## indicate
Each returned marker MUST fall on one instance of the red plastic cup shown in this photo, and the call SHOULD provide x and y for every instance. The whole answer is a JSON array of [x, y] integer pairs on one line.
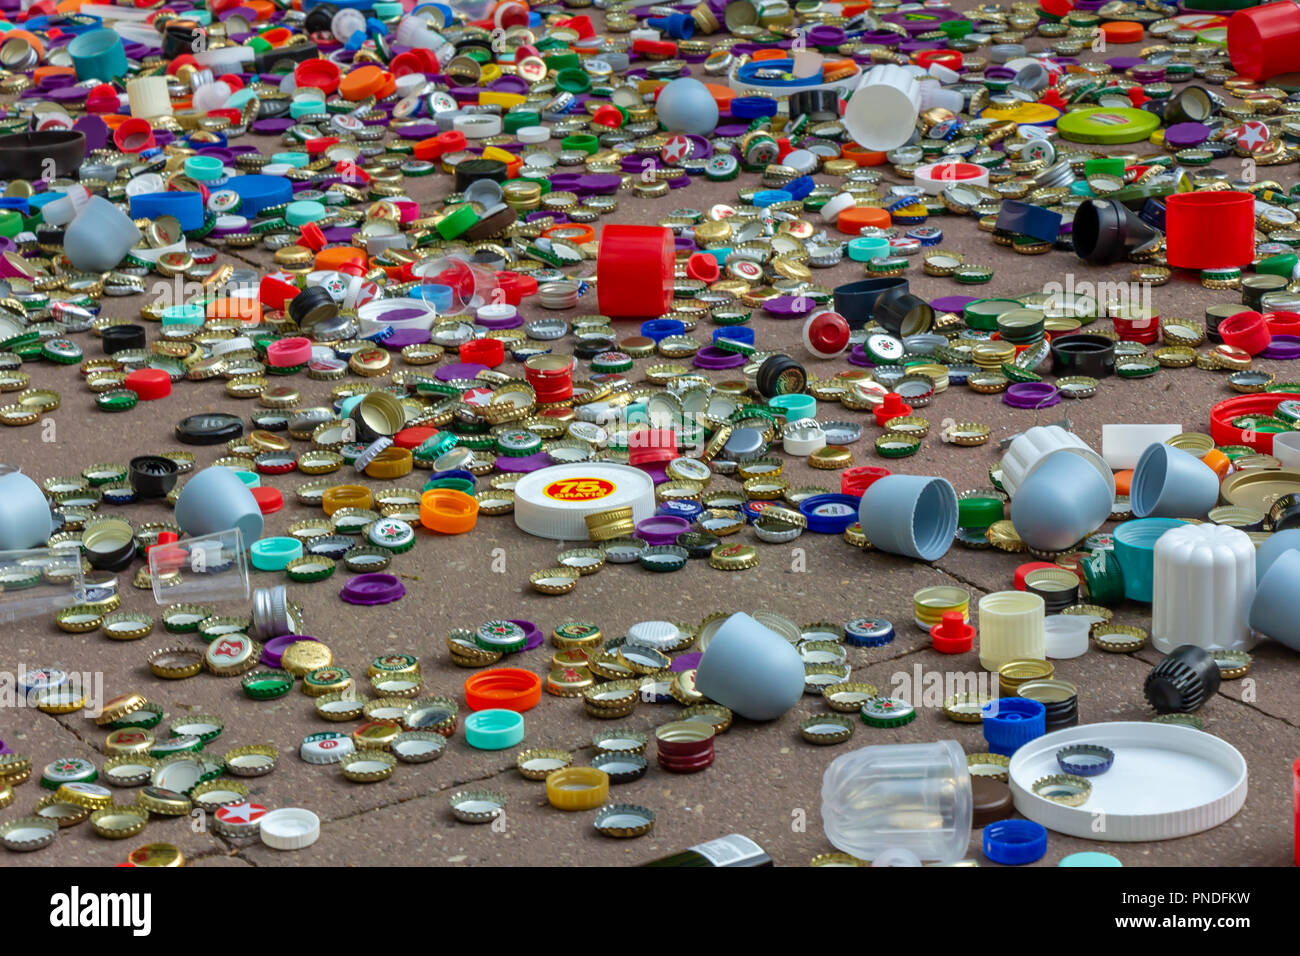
[[635, 271], [1210, 230], [703, 267], [1265, 41]]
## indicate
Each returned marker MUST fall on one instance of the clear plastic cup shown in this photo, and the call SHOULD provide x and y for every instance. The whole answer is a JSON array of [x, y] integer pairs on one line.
[[39, 581], [891, 797], [213, 567], [471, 284]]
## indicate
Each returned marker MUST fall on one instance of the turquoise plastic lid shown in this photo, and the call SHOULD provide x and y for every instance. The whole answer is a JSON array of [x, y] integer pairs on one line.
[[251, 479], [274, 554], [295, 159], [303, 211], [1089, 859], [494, 729]]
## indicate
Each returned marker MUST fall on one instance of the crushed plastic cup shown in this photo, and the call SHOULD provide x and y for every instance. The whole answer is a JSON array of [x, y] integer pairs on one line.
[[200, 570]]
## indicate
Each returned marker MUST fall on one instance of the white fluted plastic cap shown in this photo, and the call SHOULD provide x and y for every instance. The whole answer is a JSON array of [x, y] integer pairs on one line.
[[290, 828], [1031, 448]]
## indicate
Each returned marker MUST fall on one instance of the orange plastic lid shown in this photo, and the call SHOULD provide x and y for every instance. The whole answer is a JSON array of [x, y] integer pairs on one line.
[[277, 36], [364, 81], [335, 258], [1123, 31], [448, 511], [769, 54], [36, 42], [722, 95], [264, 9], [243, 308], [1219, 462], [1122, 481], [863, 157], [853, 220]]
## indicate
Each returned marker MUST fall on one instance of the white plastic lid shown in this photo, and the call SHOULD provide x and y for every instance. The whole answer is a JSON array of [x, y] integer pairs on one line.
[[836, 205], [1066, 635], [553, 502], [290, 828], [532, 134]]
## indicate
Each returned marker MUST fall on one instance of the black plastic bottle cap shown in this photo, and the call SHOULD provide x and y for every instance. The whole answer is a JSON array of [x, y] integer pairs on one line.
[[472, 170], [320, 17], [152, 476], [209, 428], [856, 301], [1183, 681], [311, 305], [115, 338], [902, 313], [1083, 354], [780, 375]]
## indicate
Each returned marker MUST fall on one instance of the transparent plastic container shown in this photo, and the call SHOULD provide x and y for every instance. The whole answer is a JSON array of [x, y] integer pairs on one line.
[[471, 284], [213, 567], [39, 581], [1011, 628], [893, 797]]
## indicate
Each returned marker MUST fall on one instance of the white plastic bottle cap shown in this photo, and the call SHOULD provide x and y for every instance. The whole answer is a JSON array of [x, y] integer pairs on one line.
[[532, 134], [236, 344], [139, 186], [290, 828], [497, 312], [410, 83], [801, 160], [803, 437], [211, 96], [148, 97], [836, 205], [477, 125]]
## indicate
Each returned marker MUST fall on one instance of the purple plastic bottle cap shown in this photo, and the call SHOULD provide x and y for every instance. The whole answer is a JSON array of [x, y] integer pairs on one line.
[[661, 529], [507, 322], [658, 474], [1184, 135], [952, 303], [685, 662], [1031, 395], [1122, 63], [858, 356], [459, 370], [370, 589], [535, 636], [95, 131], [1283, 347], [601, 184], [273, 650], [735, 129], [275, 124], [524, 465], [701, 148], [790, 306], [711, 357], [401, 338]]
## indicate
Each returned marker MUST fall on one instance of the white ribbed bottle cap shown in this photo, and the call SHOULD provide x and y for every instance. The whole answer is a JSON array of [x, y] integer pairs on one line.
[[532, 134], [290, 828], [148, 97], [836, 205]]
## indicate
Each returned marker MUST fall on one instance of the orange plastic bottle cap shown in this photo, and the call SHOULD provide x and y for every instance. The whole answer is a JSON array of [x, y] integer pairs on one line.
[[1122, 481], [362, 82], [1123, 31], [856, 218], [448, 511]]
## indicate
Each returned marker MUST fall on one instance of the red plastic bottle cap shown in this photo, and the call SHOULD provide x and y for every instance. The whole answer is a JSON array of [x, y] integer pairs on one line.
[[149, 383], [268, 499], [414, 437], [286, 353], [489, 352], [319, 144], [274, 292], [319, 73], [232, 80], [952, 59], [134, 135], [1210, 230], [634, 267], [952, 635], [516, 287], [856, 480], [1247, 331], [892, 406], [1057, 8], [655, 48], [1283, 323], [1029, 568], [704, 267], [582, 24], [651, 445], [102, 99], [311, 236], [826, 334], [608, 115]]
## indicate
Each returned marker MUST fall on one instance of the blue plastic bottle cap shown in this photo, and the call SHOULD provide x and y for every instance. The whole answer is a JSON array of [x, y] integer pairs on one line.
[[1015, 842], [1089, 859]]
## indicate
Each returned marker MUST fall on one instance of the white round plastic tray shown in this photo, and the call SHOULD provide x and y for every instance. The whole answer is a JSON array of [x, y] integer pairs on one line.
[[552, 502], [1167, 781]]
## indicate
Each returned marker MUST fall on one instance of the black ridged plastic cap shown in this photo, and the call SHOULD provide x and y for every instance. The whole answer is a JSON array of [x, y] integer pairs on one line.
[[115, 338], [152, 476], [320, 17], [780, 375], [1183, 681], [209, 428]]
